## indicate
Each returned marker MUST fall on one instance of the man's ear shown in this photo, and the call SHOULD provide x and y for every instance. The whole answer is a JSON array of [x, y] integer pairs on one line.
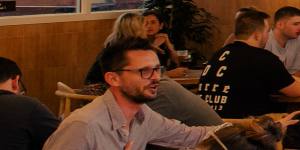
[[15, 84], [257, 35], [112, 78], [280, 24]]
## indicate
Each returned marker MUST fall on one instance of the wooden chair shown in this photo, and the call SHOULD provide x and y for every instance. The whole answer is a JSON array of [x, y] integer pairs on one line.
[[67, 94]]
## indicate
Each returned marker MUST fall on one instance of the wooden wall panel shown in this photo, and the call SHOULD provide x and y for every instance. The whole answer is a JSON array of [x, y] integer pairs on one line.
[[48, 53]]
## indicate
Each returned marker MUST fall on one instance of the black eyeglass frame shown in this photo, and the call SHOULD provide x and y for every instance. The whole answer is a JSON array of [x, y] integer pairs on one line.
[[143, 71]]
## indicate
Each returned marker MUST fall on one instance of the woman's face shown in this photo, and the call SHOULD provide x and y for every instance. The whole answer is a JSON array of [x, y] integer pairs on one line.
[[152, 24]]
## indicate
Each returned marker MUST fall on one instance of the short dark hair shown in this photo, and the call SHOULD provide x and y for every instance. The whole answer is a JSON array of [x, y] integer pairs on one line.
[[113, 57], [246, 9], [8, 69], [287, 11], [154, 13], [249, 22]]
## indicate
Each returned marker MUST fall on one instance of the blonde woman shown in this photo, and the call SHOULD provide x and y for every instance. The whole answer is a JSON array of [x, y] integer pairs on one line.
[[262, 133], [127, 25]]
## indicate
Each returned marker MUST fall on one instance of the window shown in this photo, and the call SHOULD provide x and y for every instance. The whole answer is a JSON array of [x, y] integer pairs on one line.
[[106, 5], [31, 7]]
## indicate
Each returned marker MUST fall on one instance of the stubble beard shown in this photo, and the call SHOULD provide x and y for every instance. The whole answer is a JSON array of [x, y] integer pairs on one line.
[[137, 98]]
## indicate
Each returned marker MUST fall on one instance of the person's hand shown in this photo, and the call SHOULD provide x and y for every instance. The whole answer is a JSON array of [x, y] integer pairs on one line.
[[288, 120], [128, 146], [178, 72], [160, 39], [157, 49]]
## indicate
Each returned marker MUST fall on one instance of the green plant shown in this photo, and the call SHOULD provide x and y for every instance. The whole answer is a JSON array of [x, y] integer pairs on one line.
[[185, 22]]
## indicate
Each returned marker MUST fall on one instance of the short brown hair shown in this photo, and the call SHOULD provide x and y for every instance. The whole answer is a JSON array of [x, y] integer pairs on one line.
[[249, 22], [246, 9], [113, 57], [286, 11]]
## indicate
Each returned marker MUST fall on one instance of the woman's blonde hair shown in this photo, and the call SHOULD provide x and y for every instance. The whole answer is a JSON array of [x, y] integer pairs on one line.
[[127, 25], [262, 134]]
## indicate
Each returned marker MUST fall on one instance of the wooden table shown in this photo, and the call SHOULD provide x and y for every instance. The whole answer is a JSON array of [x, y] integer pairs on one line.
[[191, 78], [292, 103], [286, 99]]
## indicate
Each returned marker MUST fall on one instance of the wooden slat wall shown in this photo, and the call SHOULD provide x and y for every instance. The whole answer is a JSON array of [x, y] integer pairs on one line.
[[53, 52], [48, 53]]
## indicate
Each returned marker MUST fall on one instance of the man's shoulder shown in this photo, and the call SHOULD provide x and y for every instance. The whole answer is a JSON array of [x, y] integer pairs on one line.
[[242, 48], [19, 99], [92, 113]]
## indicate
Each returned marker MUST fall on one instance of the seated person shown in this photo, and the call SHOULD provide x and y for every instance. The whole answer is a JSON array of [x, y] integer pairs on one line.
[[284, 40], [25, 122], [112, 121], [240, 78], [173, 100], [262, 133], [165, 49]]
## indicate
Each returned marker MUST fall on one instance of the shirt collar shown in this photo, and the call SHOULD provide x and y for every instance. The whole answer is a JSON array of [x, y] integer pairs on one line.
[[116, 115]]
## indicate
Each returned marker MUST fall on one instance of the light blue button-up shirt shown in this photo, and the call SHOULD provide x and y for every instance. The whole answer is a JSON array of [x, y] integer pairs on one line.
[[101, 125]]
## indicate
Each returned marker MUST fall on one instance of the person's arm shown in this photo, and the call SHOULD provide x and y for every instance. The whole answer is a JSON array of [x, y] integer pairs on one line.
[[173, 54], [177, 72], [162, 38], [171, 133], [43, 123], [276, 77], [175, 102], [292, 90]]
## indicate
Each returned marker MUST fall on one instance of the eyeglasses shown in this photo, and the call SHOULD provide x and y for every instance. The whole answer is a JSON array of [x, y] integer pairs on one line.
[[146, 73], [23, 89]]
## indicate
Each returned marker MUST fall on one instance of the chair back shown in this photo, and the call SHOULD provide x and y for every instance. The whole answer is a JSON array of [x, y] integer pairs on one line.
[[67, 95]]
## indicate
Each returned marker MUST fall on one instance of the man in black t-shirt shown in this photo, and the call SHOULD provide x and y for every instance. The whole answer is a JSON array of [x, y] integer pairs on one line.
[[240, 78], [25, 123]]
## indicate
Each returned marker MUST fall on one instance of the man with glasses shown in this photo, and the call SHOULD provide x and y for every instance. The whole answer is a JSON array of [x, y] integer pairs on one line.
[[25, 123], [120, 117]]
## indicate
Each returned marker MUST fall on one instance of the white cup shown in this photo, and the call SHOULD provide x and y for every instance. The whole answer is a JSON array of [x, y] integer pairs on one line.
[[182, 53]]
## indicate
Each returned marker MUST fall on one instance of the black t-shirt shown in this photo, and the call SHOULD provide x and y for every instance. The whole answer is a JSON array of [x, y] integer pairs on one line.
[[239, 80], [25, 123]]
